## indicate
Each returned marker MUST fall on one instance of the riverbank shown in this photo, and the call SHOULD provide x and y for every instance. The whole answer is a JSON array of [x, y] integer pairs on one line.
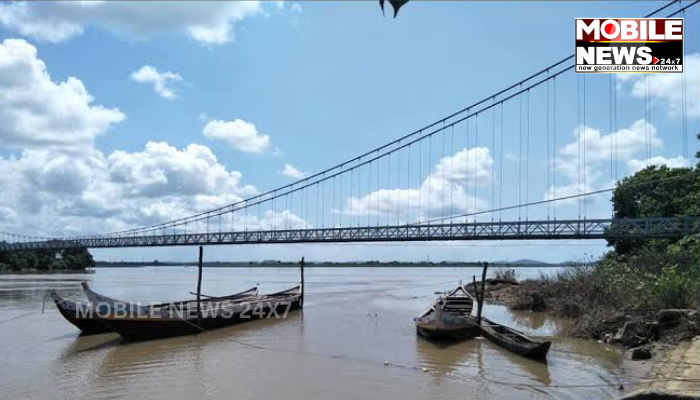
[[662, 346], [32, 261], [591, 319]]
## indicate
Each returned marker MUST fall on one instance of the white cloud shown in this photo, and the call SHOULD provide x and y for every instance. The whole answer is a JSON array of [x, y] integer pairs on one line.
[[673, 162], [569, 189], [239, 134], [162, 169], [159, 80], [667, 89], [291, 172], [61, 193], [270, 220], [627, 141], [211, 22], [442, 192], [628, 144], [37, 112], [61, 185], [473, 165], [28, 20]]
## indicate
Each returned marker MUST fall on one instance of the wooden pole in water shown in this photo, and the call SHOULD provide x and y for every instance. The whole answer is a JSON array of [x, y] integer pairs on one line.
[[476, 294], [199, 286], [301, 299], [481, 298]]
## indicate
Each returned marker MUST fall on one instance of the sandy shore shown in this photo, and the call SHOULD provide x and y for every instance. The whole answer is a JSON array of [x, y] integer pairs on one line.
[[674, 368]]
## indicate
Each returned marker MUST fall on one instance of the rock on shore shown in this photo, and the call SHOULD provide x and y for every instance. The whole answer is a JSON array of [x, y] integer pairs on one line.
[[672, 372]]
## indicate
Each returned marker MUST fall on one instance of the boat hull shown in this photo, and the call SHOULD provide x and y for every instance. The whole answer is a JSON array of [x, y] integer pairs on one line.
[[447, 334], [449, 318], [532, 349], [86, 321], [83, 315], [147, 328]]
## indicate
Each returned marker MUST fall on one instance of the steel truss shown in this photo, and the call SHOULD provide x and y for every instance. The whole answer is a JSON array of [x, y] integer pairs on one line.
[[628, 228]]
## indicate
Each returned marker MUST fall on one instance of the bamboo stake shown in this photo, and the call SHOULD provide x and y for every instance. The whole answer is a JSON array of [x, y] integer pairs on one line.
[[476, 292], [301, 299], [481, 298], [199, 287]]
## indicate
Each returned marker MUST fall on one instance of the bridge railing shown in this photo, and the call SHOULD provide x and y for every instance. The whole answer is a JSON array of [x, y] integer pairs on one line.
[[628, 228]]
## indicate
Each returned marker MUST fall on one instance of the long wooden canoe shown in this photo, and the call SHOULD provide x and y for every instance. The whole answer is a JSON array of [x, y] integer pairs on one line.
[[82, 314], [449, 318], [145, 324], [514, 340]]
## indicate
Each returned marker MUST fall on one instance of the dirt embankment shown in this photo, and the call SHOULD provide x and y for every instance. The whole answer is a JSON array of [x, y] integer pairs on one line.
[[631, 328], [663, 346]]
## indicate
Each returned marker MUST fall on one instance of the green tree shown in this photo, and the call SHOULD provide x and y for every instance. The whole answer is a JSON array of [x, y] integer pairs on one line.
[[45, 260], [656, 192]]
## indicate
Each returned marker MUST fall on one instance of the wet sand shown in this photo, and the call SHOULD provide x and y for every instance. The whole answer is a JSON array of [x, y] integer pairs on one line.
[[354, 339], [672, 369]]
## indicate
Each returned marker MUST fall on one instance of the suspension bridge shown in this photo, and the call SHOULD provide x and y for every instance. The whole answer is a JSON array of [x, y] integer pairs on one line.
[[472, 175]]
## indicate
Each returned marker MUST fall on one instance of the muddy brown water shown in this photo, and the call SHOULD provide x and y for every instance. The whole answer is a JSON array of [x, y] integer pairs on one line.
[[355, 339]]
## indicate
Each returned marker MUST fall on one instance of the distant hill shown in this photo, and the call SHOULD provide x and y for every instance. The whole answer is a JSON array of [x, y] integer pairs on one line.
[[524, 261]]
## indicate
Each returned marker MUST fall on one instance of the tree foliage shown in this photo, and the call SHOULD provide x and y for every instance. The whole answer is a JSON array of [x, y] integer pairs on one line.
[[46, 260], [655, 274], [656, 192]]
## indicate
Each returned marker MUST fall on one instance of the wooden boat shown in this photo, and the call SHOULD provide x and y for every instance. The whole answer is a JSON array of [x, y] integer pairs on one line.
[[99, 299], [449, 318], [513, 340], [189, 319], [79, 314], [82, 314]]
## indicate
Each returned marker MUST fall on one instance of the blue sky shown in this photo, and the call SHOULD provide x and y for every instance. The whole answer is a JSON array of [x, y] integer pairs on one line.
[[320, 81]]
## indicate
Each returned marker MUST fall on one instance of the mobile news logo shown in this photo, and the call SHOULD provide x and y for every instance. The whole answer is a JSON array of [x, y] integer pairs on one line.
[[629, 45]]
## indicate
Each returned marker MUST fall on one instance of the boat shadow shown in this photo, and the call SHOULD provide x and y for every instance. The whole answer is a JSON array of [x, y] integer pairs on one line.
[[454, 357], [169, 354], [86, 343], [116, 345], [442, 343], [226, 332], [445, 358], [536, 369]]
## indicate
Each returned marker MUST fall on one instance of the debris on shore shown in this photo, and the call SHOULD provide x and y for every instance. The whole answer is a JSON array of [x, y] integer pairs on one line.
[[630, 328], [662, 346]]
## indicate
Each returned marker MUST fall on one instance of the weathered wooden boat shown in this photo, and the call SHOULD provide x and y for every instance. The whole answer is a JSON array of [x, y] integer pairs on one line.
[[79, 314], [449, 318], [192, 318], [82, 314], [513, 340], [99, 299]]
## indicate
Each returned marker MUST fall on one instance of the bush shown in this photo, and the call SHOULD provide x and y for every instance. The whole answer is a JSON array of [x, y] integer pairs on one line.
[[640, 276], [505, 274]]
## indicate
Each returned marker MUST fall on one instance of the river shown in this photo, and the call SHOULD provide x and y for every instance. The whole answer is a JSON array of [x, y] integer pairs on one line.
[[355, 339]]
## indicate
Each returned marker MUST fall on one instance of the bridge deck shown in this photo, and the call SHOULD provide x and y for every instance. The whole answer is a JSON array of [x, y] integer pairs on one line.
[[633, 228]]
